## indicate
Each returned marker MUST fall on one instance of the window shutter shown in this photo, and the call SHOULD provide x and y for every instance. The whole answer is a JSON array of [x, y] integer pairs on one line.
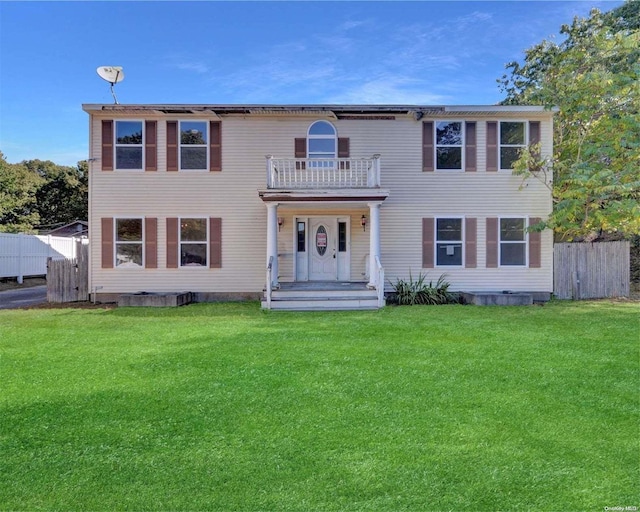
[[215, 242], [172, 145], [150, 242], [343, 152], [343, 147], [492, 242], [300, 151], [470, 242], [427, 146], [534, 134], [150, 146], [107, 145], [172, 242], [427, 242], [215, 157], [492, 146], [470, 147], [107, 242], [535, 245]]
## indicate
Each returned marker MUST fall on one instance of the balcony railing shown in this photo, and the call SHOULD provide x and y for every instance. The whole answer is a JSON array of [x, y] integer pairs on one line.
[[319, 173]]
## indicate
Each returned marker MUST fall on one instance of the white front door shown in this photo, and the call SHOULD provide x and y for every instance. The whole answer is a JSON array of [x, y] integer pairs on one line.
[[322, 249]]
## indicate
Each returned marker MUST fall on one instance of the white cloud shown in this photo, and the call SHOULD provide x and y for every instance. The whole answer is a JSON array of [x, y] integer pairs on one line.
[[389, 89]]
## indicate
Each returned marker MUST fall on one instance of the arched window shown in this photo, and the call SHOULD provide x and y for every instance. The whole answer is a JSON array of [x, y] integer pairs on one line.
[[322, 141]]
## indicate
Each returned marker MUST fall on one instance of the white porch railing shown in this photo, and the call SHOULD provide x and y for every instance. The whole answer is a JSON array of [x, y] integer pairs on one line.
[[380, 283], [318, 173]]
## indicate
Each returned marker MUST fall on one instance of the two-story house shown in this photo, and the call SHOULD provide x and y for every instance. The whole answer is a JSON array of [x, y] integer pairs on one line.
[[266, 201]]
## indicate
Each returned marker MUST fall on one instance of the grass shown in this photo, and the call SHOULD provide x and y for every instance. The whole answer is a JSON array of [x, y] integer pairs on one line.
[[226, 407]]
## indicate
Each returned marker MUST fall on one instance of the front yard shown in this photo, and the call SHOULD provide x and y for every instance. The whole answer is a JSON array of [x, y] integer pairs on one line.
[[227, 407]]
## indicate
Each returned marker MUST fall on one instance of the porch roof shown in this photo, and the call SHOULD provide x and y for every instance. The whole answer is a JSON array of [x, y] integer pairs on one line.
[[324, 196]]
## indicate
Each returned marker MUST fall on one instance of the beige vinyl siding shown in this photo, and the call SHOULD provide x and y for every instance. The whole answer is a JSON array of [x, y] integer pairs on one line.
[[232, 195]]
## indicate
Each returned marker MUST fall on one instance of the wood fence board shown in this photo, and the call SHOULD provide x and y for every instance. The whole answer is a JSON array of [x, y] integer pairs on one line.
[[591, 270], [68, 280]]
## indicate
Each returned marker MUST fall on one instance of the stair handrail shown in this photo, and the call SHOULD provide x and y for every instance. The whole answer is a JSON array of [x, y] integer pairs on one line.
[[269, 284], [380, 284]]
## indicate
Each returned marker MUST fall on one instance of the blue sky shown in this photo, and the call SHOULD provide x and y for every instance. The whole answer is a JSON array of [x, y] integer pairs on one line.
[[418, 52]]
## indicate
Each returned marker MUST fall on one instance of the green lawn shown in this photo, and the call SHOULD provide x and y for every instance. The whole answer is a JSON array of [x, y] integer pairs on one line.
[[227, 407]]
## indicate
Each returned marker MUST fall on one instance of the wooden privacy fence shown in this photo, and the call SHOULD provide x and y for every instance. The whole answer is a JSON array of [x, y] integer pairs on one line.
[[591, 270], [68, 280]]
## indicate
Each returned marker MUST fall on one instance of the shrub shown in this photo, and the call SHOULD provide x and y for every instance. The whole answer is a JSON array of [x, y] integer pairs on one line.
[[418, 291]]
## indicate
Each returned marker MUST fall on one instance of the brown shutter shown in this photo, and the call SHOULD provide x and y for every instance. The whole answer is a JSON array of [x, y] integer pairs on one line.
[[215, 157], [535, 245], [343, 151], [172, 242], [492, 146], [470, 242], [107, 242], [534, 134], [215, 242], [492, 242], [172, 145], [150, 146], [300, 151], [150, 242], [427, 242], [107, 145], [470, 147], [427, 146]]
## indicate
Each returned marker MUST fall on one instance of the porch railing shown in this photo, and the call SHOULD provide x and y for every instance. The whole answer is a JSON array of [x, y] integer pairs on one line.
[[313, 173]]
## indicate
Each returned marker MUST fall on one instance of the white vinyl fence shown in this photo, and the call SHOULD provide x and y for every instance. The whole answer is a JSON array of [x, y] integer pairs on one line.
[[26, 255]]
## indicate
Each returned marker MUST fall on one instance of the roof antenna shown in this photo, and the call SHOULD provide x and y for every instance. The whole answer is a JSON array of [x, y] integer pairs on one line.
[[113, 75]]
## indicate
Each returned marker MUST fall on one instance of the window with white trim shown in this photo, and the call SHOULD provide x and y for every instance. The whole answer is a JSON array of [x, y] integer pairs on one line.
[[449, 240], [194, 145], [129, 238], [322, 141], [194, 241], [513, 242], [129, 145], [513, 139], [448, 145]]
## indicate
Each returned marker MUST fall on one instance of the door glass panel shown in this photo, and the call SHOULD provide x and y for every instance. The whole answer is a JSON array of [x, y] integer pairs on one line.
[[302, 236], [342, 237], [321, 240]]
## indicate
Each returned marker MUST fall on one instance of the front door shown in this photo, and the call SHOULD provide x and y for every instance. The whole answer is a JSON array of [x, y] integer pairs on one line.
[[322, 258]]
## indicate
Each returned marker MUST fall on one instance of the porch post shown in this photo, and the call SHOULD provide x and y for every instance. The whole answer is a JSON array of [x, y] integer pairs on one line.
[[374, 243], [272, 240]]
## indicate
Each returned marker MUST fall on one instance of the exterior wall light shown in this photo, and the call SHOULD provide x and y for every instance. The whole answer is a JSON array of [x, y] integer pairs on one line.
[[280, 222], [363, 222]]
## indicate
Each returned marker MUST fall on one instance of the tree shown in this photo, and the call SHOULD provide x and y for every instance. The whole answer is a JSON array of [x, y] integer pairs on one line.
[[18, 187], [62, 196], [592, 77]]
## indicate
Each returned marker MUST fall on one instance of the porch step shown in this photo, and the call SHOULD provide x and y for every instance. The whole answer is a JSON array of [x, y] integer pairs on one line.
[[323, 300]]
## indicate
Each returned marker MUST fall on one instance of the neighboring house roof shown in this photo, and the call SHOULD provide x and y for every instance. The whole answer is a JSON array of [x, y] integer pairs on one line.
[[76, 228]]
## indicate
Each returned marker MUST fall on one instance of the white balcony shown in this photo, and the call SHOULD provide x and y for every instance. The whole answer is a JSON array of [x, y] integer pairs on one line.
[[329, 173]]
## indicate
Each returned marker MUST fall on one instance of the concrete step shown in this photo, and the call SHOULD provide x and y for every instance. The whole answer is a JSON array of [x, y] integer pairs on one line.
[[323, 304]]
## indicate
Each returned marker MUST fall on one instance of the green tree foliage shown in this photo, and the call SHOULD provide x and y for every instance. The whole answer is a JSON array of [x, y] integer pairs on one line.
[[63, 195], [18, 188], [593, 79], [36, 194]]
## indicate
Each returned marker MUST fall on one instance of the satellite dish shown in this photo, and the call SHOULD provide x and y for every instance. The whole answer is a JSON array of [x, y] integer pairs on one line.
[[113, 75]]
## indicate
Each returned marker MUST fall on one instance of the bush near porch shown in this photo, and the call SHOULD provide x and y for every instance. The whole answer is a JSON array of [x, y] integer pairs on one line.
[[226, 407]]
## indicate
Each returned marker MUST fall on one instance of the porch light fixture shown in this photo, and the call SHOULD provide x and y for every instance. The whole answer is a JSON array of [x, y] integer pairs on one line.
[[280, 222], [363, 222]]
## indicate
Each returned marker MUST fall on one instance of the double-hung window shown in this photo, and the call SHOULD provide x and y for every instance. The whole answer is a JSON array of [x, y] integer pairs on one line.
[[449, 239], [449, 144], [513, 242], [194, 137], [193, 242], [129, 243], [129, 145], [513, 139]]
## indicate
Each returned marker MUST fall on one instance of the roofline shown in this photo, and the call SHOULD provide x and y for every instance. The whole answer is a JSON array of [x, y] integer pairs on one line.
[[315, 108]]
